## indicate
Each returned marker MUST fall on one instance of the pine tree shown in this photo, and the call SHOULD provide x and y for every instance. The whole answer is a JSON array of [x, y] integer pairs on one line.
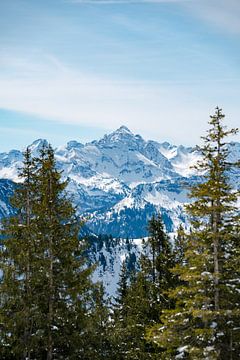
[[119, 316], [142, 296], [206, 314], [16, 263], [179, 245], [161, 260], [99, 328], [45, 287]]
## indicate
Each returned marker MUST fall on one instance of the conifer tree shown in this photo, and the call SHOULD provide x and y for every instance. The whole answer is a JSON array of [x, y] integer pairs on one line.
[[179, 245], [161, 260], [119, 321], [45, 287], [16, 264], [99, 327], [203, 324], [131, 322], [142, 296]]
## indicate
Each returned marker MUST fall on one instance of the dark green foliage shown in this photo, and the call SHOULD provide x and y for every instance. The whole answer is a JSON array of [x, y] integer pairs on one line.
[[203, 324], [142, 296], [17, 266], [182, 303], [160, 256], [99, 344], [46, 291], [180, 243]]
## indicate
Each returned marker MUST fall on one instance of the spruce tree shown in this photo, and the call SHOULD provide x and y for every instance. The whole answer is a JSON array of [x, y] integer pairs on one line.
[[142, 296], [45, 288], [161, 260], [16, 264], [119, 316], [99, 327], [179, 245], [203, 324]]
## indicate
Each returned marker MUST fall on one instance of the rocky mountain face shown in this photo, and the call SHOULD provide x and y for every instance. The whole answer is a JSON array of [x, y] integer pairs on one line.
[[119, 181]]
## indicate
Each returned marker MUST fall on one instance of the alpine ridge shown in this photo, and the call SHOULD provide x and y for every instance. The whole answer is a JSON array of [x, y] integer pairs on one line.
[[119, 181]]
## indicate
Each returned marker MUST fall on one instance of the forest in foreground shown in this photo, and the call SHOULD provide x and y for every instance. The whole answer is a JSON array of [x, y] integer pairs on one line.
[[181, 303]]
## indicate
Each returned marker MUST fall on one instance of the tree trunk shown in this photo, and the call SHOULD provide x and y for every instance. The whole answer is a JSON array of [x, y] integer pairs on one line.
[[50, 298], [216, 264], [153, 264], [27, 350], [216, 223], [50, 306]]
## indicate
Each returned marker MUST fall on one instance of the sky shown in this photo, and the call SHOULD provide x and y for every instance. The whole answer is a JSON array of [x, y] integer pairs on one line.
[[77, 69]]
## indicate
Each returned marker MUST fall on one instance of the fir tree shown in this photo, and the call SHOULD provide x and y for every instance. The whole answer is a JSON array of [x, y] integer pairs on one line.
[[142, 296], [45, 287], [119, 321], [17, 263], [203, 324], [179, 245], [131, 321], [99, 327], [161, 260]]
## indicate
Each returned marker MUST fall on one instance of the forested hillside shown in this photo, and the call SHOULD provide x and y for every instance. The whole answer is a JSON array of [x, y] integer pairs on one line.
[[177, 297]]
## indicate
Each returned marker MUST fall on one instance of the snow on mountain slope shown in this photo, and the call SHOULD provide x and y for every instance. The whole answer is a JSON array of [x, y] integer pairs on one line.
[[129, 217], [127, 157], [6, 191], [167, 150], [9, 165], [182, 158], [117, 183], [110, 253], [234, 158], [121, 180]]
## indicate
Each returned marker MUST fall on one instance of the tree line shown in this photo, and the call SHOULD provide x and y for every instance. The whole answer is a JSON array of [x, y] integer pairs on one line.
[[181, 303]]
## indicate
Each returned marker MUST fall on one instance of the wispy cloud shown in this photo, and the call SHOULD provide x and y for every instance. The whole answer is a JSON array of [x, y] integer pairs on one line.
[[223, 14], [69, 96]]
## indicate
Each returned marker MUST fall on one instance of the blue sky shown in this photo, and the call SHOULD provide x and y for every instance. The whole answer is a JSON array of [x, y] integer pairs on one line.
[[75, 69]]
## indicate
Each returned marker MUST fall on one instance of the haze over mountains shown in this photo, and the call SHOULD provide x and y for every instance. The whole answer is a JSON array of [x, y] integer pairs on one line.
[[119, 181]]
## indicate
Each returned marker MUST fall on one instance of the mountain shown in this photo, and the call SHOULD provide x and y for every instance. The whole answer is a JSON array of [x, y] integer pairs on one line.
[[119, 181]]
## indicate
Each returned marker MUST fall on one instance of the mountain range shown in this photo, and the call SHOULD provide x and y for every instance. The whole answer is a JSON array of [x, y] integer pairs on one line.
[[118, 182]]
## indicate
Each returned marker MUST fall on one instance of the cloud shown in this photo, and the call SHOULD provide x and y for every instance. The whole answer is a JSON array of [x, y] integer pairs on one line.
[[52, 91], [223, 14]]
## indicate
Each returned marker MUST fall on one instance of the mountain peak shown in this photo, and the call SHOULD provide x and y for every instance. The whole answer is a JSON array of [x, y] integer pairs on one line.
[[37, 145], [39, 142], [74, 144], [121, 136], [123, 128]]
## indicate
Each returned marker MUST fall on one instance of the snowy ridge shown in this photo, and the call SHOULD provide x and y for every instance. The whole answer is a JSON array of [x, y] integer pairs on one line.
[[118, 183], [121, 180]]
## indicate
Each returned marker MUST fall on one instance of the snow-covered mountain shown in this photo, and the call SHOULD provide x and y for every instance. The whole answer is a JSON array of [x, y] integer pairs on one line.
[[120, 181]]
